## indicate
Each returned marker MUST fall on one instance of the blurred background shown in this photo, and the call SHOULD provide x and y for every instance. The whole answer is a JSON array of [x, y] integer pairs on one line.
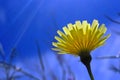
[[27, 28]]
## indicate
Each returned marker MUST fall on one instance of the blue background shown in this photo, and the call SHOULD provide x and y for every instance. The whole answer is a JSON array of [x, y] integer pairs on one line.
[[22, 22]]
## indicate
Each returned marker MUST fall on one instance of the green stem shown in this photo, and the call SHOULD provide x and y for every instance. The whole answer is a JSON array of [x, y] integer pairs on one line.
[[86, 61], [89, 71]]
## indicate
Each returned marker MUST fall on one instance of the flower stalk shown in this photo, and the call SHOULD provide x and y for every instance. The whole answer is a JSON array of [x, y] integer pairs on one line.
[[86, 61], [80, 39]]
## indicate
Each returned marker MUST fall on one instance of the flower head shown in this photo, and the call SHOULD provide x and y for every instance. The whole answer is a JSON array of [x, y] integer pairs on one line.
[[80, 38]]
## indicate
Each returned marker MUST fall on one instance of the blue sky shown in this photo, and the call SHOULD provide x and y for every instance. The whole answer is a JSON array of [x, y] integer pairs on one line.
[[22, 22]]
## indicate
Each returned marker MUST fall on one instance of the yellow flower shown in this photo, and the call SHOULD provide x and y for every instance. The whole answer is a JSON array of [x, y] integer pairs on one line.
[[80, 38]]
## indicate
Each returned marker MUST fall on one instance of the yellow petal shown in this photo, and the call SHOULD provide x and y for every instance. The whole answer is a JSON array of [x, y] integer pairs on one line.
[[94, 26], [59, 39], [62, 35], [54, 44], [84, 25], [102, 28], [78, 24]]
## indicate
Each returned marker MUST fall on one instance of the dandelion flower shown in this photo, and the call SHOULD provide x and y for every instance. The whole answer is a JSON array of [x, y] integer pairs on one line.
[[80, 39]]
